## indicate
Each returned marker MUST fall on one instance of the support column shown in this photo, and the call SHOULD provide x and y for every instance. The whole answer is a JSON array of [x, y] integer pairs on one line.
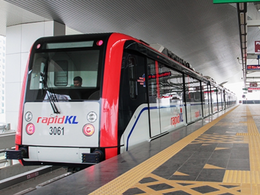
[[19, 39]]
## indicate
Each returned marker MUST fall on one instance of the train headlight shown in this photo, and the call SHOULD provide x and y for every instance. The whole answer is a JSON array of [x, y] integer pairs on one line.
[[88, 129], [30, 129], [99, 42], [28, 116], [92, 117]]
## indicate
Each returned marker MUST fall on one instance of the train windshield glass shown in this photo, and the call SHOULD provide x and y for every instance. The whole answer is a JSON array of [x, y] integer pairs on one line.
[[70, 74]]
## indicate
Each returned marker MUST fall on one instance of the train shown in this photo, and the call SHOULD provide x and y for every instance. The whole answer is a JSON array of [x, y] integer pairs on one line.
[[86, 98]]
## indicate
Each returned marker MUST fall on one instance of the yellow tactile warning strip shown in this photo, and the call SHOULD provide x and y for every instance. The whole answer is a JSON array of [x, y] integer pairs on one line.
[[252, 177], [246, 177], [254, 142], [130, 178]]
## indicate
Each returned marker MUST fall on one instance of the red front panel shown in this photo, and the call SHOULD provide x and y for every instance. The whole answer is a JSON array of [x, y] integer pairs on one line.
[[18, 137], [110, 99]]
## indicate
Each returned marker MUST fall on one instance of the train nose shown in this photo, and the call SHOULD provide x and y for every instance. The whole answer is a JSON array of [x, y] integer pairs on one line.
[[94, 157]]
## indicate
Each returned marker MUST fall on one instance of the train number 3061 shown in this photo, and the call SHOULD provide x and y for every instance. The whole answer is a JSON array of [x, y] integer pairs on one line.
[[56, 131]]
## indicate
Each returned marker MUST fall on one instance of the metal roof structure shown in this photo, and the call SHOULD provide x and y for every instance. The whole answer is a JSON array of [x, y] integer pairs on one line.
[[204, 34]]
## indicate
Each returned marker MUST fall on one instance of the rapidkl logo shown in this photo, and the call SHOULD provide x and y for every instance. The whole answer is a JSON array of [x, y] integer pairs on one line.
[[58, 120], [197, 114], [177, 119]]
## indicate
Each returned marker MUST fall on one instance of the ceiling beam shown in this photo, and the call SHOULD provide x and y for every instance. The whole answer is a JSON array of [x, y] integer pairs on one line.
[[242, 21]]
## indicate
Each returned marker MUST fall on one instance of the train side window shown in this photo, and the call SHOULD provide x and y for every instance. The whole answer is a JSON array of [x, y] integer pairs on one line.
[[152, 84], [131, 64], [193, 90], [171, 84]]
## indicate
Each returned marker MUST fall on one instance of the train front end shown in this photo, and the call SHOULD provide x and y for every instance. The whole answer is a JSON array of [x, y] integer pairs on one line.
[[60, 117]]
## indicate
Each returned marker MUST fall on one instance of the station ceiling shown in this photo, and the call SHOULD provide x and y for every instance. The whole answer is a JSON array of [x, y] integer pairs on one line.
[[204, 34]]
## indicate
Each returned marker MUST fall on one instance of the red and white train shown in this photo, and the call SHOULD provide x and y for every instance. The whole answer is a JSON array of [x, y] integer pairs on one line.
[[130, 93]]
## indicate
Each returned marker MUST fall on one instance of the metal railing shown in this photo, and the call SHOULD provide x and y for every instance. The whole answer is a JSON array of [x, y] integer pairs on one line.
[[5, 126], [3, 161], [251, 101]]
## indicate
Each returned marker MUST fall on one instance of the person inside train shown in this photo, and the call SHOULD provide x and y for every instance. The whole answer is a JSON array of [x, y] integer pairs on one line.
[[77, 81]]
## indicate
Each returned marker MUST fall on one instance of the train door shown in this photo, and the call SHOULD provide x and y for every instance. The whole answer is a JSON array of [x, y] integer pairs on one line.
[[172, 109], [193, 99], [220, 100], [206, 99], [154, 96], [214, 99], [133, 122], [224, 99], [165, 90]]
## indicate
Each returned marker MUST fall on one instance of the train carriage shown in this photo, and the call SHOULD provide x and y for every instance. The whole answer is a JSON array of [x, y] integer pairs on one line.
[[129, 92]]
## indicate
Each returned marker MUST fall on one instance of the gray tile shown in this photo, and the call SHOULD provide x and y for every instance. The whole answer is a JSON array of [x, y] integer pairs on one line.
[[147, 180], [179, 192], [159, 187], [201, 154], [238, 164], [212, 175], [220, 162], [205, 189], [165, 171], [133, 191], [239, 153]]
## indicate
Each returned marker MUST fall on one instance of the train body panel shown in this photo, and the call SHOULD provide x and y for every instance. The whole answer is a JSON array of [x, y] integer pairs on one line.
[[136, 130], [169, 119], [194, 111], [61, 155], [172, 117], [66, 129]]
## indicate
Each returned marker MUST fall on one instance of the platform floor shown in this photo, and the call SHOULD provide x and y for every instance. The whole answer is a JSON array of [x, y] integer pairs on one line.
[[218, 155]]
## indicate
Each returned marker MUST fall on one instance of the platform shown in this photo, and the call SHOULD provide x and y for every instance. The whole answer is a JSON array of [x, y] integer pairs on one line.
[[218, 155]]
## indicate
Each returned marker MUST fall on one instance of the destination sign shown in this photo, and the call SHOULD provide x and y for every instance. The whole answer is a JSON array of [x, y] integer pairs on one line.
[[253, 67]]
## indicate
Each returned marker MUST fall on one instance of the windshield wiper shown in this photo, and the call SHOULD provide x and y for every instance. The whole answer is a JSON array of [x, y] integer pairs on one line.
[[51, 96]]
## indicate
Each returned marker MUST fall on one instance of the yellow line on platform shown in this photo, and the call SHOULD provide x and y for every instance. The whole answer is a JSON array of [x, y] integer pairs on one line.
[[254, 143], [125, 181], [249, 180]]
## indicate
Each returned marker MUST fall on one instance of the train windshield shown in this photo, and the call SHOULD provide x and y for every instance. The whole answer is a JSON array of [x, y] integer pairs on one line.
[[65, 71]]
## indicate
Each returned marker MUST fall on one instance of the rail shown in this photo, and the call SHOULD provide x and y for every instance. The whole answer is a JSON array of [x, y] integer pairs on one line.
[[14, 173]]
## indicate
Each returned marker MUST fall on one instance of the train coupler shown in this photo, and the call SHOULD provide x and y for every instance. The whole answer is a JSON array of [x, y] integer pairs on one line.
[[93, 158]]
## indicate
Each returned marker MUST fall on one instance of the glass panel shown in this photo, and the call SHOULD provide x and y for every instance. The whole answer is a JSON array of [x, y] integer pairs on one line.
[[172, 110], [68, 74], [206, 99], [132, 64], [214, 99], [69, 45], [224, 96], [153, 94], [220, 100], [193, 99]]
